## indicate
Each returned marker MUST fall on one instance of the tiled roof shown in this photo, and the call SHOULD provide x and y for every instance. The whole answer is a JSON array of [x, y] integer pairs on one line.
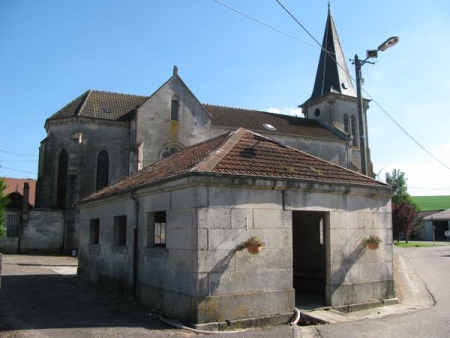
[[16, 184], [100, 105], [114, 106], [255, 120], [240, 153]]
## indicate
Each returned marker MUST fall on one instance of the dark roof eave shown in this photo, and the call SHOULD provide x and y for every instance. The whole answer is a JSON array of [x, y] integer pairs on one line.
[[378, 186]]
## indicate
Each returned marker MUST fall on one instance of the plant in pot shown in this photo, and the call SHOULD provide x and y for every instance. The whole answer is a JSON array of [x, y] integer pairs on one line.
[[372, 242], [253, 245]]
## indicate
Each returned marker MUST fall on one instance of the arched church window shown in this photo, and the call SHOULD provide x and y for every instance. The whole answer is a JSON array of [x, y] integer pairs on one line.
[[102, 170], [61, 190], [346, 123], [355, 138]]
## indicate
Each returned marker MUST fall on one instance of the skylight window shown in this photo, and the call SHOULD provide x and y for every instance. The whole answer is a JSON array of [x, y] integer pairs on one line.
[[107, 110], [268, 126]]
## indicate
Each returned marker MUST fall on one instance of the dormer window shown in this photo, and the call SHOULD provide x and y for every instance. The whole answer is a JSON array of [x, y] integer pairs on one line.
[[268, 126], [107, 110], [174, 110]]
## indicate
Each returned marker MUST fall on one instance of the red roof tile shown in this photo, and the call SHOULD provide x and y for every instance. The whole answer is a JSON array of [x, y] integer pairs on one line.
[[240, 153], [16, 184]]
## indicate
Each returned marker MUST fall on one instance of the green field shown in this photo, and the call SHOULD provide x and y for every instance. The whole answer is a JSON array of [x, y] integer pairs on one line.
[[427, 203], [414, 244]]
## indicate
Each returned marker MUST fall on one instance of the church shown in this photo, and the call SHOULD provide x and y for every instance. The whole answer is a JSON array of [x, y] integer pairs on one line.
[[157, 193], [101, 137]]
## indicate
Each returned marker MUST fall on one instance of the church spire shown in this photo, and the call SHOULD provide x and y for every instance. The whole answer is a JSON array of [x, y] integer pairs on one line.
[[332, 72]]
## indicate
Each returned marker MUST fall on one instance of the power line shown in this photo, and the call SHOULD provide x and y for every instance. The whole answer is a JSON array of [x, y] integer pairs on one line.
[[343, 68], [22, 171], [375, 101], [8, 152], [263, 24], [8, 161]]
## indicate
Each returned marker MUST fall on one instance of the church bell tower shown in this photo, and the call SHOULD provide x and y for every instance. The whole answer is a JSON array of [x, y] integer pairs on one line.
[[334, 101]]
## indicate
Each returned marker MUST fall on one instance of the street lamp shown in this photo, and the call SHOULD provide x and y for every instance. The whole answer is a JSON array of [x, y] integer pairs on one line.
[[361, 117]]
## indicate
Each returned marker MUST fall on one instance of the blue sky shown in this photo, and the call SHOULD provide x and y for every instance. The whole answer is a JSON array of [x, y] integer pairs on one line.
[[52, 51]]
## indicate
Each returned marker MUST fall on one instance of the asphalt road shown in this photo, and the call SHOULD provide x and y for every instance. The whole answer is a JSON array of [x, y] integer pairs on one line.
[[432, 265], [41, 296]]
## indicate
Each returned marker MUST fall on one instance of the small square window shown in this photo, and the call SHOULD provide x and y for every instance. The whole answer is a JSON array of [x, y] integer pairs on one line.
[[268, 126]]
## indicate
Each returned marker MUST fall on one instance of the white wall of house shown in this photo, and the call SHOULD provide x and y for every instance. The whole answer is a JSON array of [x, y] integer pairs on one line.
[[198, 277]]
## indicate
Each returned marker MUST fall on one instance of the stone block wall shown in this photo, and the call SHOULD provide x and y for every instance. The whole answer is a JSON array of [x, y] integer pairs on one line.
[[44, 234], [199, 278]]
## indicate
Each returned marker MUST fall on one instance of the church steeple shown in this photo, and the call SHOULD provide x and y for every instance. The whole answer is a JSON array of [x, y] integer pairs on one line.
[[332, 72]]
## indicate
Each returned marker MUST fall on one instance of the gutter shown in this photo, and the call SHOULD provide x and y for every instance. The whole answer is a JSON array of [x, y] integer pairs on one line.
[[135, 243]]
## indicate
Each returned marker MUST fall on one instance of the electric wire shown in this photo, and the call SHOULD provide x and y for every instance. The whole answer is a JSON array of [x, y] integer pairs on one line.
[[22, 171], [12, 153], [264, 24], [343, 68]]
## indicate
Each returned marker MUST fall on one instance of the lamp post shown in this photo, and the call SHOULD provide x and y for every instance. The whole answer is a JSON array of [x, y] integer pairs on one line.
[[361, 117]]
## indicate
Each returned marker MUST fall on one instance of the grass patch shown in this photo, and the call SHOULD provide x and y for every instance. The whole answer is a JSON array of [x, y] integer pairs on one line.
[[411, 244]]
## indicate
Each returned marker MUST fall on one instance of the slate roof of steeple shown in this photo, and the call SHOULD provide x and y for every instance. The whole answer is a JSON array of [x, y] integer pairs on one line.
[[239, 153], [332, 72]]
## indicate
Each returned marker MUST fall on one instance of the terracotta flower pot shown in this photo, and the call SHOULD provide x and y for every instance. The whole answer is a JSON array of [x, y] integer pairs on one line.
[[372, 246], [254, 249]]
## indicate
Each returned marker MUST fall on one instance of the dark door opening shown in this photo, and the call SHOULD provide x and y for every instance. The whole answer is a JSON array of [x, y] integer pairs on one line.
[[309, 259]]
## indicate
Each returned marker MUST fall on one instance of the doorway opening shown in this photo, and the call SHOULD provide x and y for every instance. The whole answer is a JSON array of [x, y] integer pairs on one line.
[[309, 238]]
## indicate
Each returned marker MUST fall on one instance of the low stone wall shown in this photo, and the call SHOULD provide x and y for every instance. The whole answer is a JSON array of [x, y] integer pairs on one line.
[[44, 234]]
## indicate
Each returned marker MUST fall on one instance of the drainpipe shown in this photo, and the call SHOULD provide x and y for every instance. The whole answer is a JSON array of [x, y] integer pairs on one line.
[[135, 242]]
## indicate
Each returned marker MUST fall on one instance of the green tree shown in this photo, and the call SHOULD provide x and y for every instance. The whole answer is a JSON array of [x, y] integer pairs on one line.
[[3, 203], [404, 211], [397, 180]]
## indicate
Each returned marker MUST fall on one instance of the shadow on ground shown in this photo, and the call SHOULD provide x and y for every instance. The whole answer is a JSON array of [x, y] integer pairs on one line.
[[58, 301]]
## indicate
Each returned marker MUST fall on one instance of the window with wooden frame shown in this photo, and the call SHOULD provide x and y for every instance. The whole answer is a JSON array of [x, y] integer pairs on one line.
[[156, 229]]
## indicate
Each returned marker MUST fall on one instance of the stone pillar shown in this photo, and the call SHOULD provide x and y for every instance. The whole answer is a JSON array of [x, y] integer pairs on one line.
[[25, 204]]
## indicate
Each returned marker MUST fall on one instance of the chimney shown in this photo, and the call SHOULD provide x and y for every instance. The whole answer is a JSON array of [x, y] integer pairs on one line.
[[175, 70], [25, 204]]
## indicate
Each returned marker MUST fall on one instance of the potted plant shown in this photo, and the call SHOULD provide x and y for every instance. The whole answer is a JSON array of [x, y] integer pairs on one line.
[[253, 245], [372, 242]]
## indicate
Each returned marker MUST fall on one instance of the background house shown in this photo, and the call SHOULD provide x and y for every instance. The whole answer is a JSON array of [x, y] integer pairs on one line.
[[27, 229], [167, 233], [432, 214]]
